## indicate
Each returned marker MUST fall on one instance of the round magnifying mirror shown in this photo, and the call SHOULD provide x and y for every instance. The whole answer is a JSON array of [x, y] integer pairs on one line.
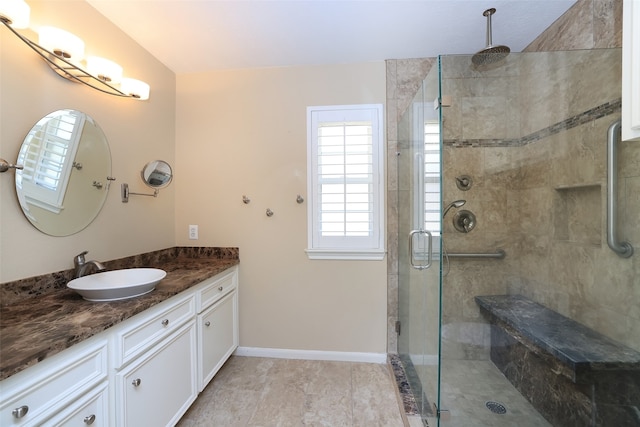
[[157, 174], [67, 163]]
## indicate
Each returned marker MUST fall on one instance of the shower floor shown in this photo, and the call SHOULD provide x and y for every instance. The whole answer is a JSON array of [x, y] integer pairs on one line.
[[467, 385]]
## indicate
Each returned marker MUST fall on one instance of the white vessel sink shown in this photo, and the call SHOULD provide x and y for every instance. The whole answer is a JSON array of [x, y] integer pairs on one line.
[[117, 284]]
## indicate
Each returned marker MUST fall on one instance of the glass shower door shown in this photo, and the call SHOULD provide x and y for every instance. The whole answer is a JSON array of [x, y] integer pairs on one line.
[[419, 206]]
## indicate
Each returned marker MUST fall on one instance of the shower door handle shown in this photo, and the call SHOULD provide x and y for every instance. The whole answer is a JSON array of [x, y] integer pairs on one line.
[[429, 247]]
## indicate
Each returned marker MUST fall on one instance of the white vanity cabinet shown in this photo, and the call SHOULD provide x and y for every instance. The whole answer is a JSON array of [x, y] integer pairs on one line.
[[156, 362], [144, 371], [159, 386], [59, 388], [631, 70], [217, 324]]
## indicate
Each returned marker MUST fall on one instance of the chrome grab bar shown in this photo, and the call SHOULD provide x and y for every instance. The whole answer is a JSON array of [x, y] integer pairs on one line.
[[623, 249], [429, 249], [499, 254]]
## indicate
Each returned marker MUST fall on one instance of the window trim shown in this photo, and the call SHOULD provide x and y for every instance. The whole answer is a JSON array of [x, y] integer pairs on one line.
[[348, 249]]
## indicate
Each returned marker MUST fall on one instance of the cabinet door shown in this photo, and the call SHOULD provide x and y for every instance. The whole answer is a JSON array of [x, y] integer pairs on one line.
[[218, 336], [158, 388]]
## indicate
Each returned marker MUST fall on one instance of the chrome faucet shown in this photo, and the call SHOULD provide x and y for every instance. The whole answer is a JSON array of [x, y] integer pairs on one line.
[[81, 265]]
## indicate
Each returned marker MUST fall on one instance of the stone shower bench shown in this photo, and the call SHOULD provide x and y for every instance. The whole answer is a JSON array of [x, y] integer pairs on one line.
[[572, 374]]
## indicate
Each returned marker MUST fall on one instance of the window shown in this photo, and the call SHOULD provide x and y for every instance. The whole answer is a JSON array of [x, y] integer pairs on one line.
[[345, 182], [432, 177]]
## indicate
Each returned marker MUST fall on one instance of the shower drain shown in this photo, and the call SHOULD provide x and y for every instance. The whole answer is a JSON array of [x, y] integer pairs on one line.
[[496, 407]]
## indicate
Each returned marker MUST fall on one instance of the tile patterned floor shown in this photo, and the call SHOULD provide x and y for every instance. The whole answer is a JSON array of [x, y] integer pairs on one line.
[[252, 391], [467, 385]]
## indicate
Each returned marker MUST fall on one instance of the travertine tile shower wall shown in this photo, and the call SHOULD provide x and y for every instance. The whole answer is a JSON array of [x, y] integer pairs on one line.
[[544, 202], [534, 140]]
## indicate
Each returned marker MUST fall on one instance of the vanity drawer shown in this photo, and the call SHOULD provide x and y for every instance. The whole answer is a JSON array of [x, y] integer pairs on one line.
[[91, 409], [52, 384], [142, 331], [219, 286]]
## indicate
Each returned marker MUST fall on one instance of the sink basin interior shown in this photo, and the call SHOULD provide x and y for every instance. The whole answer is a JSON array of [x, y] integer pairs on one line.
[[117, 284]]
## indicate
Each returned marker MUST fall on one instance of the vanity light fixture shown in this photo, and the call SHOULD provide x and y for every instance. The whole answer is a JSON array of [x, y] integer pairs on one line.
[[64, 53]]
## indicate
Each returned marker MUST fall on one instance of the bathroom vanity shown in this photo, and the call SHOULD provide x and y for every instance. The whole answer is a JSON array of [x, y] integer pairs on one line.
[[134, 362]]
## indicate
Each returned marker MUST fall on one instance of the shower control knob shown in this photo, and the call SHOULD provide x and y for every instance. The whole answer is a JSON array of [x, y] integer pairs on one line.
[[464, 221]]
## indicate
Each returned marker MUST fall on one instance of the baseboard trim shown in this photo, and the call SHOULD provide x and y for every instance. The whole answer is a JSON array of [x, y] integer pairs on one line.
[[338, 356]]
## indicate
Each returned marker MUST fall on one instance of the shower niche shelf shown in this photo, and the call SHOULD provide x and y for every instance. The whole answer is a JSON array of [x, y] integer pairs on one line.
[[577, 214]]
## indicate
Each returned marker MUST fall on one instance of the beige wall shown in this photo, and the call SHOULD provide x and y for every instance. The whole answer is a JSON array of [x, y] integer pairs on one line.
[[138, 131], [243, 132]]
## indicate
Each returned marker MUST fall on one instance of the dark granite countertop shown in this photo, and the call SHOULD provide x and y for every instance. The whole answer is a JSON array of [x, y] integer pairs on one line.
[[34, 327], [575, 345]]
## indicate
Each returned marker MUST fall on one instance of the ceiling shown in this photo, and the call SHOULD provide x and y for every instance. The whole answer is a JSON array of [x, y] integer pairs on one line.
[[191, 36]]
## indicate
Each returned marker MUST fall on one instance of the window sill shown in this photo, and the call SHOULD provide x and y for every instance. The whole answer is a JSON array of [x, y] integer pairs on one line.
[[349, 255]]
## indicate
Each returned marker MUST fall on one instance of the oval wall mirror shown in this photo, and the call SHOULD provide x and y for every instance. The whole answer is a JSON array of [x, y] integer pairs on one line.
[[67, 172], [157, 174]]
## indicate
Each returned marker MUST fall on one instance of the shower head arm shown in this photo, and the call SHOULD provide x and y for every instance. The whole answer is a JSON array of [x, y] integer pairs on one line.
[[488, 14]]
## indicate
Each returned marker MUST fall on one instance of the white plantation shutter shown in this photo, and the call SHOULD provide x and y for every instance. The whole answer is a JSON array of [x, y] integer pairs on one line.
[[345, 182], [432, 177]]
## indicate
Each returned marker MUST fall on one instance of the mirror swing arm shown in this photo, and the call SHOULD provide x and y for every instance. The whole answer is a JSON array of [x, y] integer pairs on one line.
[[125, 193]]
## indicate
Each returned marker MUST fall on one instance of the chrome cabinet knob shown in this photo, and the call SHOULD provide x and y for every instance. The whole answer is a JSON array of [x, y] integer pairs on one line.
[[136, 382], [165, 322], [90, 419], [207, 323], [20, 412]]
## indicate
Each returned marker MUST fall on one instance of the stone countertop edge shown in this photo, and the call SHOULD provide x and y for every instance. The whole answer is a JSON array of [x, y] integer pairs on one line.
[[608, 354], [32, 329]]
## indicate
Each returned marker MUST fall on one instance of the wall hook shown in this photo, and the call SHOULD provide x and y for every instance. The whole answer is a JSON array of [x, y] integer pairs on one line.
[[246, 200]]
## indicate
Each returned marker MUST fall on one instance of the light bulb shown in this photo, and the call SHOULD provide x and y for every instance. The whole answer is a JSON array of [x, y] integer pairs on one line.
[[104, 69], [15, 13], [62, 43], [135, 88]]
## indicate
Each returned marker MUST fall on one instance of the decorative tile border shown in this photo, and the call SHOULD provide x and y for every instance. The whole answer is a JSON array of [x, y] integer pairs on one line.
[[577, 120], [408, 400]]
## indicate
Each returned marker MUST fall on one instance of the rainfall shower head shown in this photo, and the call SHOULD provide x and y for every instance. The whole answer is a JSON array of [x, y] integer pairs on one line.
[[455, 204], [490, 54]]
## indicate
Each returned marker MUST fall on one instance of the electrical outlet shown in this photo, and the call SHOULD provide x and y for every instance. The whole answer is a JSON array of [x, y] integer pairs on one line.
[[193, 232]]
